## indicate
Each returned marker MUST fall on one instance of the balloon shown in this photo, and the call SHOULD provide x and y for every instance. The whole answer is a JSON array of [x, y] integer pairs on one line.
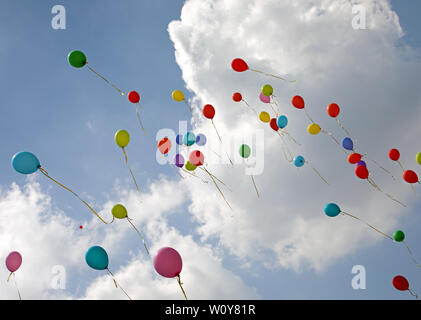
[[237, 97], [164, 145], [354, 158], [273, 124], [313, 128], [264, 98], [133, 96], [13, 261], [97, 258], [418, 157], [122, 138], [25, 162], [299, 161], [177, 95], [332, 210], [167, 262], [347, 143], [394, 154], [189, 139], [201, 139], [239, 65], [333, 110], [410, 176], [298, 102], [244, 151], [398, 236], [282, 121], [196, 158], [119, 211], [209, 111], [77, 59], [267, 90], [400, 283], [361, 172], [189, 166], [264, 116], [361, 163], [179, 160], [179, 139]]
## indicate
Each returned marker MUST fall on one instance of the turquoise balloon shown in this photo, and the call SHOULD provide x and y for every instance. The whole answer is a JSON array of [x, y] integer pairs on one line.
[[299, 161], [25, 162], [189, 139], [332, 210], [282, 121], [97, 258]]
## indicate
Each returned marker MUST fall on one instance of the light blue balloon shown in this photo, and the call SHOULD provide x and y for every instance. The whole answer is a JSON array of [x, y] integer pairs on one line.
[[189, 139], [282, 121], [299, 161], [347, 143], [332, 210], [201, 139], [97, 258], [25, 162]]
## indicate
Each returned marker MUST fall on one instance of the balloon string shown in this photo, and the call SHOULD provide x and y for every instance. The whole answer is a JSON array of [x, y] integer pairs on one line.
[[286, 146], [138, 118], [216, 131], [374, 185], [400, 164], [308, 116], [117, 285], [317, 172], [375, 229], [413, 294], [103, 78], [181, 286], [217, 179], [272, 75], [46, 174], [254, 184], [291, 137], [130, 169], [274, 111], [250, 107], [172, 166], [140, 235], [190, 108], [192, 174], [412, 255], [216, 185], [16, 285], [385, 170], [8, 278], [276, 104], [343, 128]]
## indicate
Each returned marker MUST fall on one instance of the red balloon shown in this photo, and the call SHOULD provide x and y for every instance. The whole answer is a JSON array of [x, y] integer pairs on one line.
[[237, 97], [400, 283], [394, 154], [410, 176], [209, 111], [273, 124], [361, 172], [298, 102], [333, 110], [196, 158], [133, 96], [164, 145], [354, 158], [239, 65]]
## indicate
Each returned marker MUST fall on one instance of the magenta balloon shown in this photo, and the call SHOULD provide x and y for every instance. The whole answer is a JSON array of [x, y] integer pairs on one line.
[[13, 261], [264, 99], [167, 262]]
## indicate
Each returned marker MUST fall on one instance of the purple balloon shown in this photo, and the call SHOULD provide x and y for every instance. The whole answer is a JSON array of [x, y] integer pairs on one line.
[[361, 163], [167, 262], [264, 99], [179, 160], [13, 261]]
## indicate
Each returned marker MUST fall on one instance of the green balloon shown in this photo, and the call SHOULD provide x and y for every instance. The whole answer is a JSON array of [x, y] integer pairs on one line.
[[119, 211], [418, 157], [190, 166], [122, 138], [398, 236], [77, 59], [267, 90], [244, 151]]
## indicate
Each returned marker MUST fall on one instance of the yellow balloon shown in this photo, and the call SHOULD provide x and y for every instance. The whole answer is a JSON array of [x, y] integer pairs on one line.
[[264, 116], [313, 128], [190, 166], [122, 138], [419, 157], [119, 211], [177, 95]]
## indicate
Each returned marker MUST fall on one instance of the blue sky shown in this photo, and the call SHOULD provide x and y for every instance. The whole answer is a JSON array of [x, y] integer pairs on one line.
[[68, 118]]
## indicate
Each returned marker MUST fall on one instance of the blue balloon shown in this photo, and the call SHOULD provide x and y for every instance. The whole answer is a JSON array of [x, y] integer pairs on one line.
[[189, 139], [332, 210], [97, 258], [299, 161], [347, 143], [201, 139], [361, 163], [282, 122], [179, 139], [25, 162]]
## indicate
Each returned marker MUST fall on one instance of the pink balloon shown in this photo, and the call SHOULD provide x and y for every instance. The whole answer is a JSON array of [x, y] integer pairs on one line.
[[13, 261], [167, 262], [264, 99]]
